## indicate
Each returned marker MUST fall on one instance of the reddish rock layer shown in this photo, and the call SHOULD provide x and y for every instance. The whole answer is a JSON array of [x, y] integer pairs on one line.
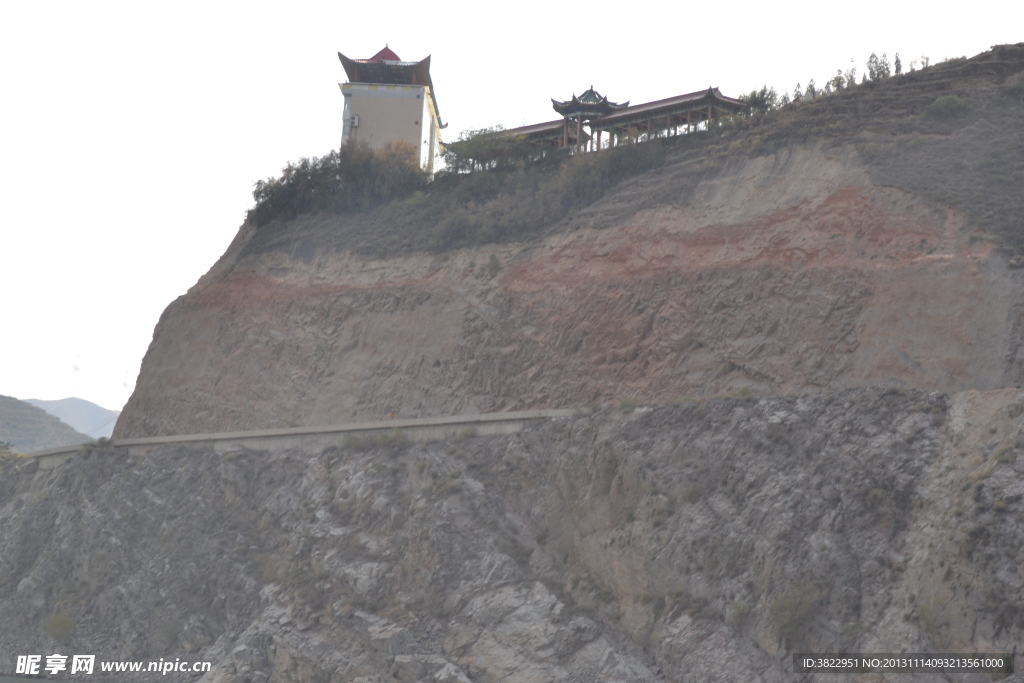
[[784, 274]]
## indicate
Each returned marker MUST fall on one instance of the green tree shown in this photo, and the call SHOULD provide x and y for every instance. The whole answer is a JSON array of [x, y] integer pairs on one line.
[[873, 67], [355, 177], [486, 148], [878, 69], [762, 101], [851, 76], [898, 65], [838, 81]]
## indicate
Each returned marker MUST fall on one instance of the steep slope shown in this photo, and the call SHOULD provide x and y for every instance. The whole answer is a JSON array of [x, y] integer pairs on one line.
[[29, 428], [866, 238], [706, 541]]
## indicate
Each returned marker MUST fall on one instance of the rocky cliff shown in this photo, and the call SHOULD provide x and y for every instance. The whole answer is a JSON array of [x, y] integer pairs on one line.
[[705, 541], [793, 343], [818, 261]]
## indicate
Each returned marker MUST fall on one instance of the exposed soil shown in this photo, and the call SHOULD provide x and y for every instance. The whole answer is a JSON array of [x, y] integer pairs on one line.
[[785, 273]]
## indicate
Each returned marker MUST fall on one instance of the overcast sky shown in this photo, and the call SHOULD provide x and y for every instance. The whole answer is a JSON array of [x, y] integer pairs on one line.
[[133, 131]]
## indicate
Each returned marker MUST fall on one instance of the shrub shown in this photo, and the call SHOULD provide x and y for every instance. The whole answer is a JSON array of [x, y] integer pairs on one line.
[[947, 107], [393, 440], [761, 101], [790, 614], [485, 149], [466, 433], [738, 613], [355, 177], [59, 627]]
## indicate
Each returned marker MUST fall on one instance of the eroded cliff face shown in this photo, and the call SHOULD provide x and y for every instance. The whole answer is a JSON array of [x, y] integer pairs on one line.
[[781, 274], [706, 541]]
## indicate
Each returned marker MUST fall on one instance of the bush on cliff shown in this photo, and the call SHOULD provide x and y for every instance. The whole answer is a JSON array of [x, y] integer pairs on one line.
[[355, 177], [384, 214], [953, 133]]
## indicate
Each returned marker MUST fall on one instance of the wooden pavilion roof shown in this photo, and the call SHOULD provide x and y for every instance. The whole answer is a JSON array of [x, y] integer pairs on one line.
[[693, 102], [541, 132], [590, 104]]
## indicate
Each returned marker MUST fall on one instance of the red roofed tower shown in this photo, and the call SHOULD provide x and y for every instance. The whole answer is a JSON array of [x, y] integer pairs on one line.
[[388, 100]]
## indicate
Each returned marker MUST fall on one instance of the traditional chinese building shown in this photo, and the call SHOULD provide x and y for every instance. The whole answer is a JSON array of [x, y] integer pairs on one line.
[[622, 122], [549, 134], [589, 106], [388, 100], [664, 117]]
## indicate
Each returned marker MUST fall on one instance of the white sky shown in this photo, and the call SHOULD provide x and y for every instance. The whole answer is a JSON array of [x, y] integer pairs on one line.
[[132, 132]]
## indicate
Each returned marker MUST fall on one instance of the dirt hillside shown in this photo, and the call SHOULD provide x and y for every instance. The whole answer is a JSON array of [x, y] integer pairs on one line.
[[784, 273]]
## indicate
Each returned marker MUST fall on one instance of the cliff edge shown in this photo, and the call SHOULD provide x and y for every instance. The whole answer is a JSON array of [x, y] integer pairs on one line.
[[804, 253]]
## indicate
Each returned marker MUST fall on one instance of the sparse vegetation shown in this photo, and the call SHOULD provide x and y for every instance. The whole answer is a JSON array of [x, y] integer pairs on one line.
[[59, 627], [492, 268], [466, 433], [694, 606], [791, 613], [738, 613], [393, 440], [486, 149], [379, 204], [459, 210], [354, 178], [928, 615], [948, 107], [628, 405]]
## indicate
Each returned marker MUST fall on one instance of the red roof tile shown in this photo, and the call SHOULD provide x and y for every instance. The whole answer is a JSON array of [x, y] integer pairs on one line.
[[387, 54]]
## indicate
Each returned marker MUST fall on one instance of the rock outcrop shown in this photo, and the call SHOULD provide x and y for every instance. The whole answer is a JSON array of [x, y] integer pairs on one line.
[[794, 360], [706, 541], [867, 238], [783, 274]]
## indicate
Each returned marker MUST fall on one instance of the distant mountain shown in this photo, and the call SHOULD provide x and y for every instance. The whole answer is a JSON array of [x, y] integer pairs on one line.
[[85, 416], [29, 428]]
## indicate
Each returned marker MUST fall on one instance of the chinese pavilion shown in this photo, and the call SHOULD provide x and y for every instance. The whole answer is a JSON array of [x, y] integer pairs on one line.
[[388, 100], [587, 107], [622, 122], [668, 116]]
